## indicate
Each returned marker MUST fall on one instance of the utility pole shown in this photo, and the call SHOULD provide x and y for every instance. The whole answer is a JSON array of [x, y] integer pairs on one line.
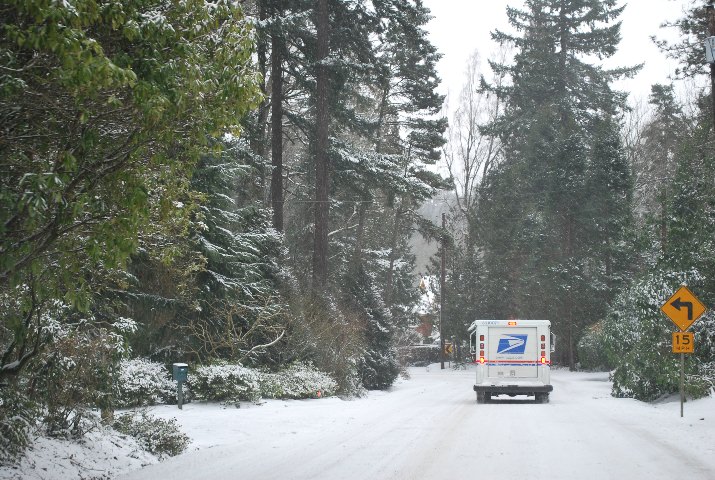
[[441, 287], [710, 9]]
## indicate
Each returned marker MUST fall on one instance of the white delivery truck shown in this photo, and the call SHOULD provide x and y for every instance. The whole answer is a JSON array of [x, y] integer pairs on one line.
[[513, 357]]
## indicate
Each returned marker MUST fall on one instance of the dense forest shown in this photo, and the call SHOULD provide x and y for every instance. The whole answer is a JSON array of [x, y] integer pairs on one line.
[[238, 182]]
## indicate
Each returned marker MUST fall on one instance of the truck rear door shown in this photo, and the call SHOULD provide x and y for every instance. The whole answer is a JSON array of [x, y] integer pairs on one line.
[[512, 352]]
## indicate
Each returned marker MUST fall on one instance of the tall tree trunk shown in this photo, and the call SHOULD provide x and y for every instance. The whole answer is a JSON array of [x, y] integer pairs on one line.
[[322, 174], [663, 234], [359, 237], [391, 268], [570, 301], [258, 139], [277, 46], [563, 57]]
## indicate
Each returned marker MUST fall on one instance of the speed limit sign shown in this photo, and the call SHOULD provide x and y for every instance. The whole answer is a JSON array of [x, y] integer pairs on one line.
[[683, 342]]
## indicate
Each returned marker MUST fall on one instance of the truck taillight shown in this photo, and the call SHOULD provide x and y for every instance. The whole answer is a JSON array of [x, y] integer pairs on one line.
[[543, 359], [481, 360], [481, 353], [481, 345], [481, 338], [543, 338], [543, 354]]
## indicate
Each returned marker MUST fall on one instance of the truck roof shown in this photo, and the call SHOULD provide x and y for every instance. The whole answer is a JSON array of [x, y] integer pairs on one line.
[[508, 323]]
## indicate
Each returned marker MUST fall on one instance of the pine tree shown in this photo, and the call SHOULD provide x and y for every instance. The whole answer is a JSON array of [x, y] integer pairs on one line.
[[370, 166], [656, 168], [635, 334], [538, 206]]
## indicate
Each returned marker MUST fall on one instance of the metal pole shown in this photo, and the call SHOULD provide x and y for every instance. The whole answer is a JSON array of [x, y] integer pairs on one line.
[[441, 287], [682, 382], [180, 394]]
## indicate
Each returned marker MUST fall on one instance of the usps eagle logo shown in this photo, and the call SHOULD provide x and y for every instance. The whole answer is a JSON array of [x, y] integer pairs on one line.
[[512, 344]]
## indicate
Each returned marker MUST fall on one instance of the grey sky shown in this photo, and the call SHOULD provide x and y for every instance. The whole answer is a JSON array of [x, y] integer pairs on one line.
[[461, 26]]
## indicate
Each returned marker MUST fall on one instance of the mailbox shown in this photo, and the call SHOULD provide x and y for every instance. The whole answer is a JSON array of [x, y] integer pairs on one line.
[[181, 371]]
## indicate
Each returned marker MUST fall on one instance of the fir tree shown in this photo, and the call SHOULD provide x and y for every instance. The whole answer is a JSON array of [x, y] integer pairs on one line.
[[539, 210]]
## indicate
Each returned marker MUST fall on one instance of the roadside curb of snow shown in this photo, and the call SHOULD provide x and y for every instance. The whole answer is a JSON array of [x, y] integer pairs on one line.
[[101, 454]]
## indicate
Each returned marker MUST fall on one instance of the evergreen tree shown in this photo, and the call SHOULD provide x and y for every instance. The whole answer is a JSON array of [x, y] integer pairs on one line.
[[378, 366], [539, 208], [380, 73], [688, 50], [636, 335], [661, 139], [238, 304]]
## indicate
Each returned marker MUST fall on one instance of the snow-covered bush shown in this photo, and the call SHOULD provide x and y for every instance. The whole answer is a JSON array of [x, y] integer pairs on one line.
[[17, 415], [322, 324], [226, 383], [637, 340], [156, 435], [142, 382], [300, 380]]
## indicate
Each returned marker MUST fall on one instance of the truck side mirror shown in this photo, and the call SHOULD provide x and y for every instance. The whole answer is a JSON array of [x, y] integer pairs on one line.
[[553, 342], [473, 343]]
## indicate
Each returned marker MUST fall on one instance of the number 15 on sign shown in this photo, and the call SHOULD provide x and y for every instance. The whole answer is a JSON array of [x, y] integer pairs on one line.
[[683, 342]]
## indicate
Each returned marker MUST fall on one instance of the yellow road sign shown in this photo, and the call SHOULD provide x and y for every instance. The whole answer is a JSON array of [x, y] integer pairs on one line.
[[683, 342], [448, 349], [683, 308]]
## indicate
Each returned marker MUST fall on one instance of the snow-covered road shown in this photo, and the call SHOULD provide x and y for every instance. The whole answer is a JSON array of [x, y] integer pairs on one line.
[[430, 427]]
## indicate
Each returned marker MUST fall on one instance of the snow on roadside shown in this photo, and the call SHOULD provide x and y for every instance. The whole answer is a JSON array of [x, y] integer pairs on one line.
[[219, 432], [101, 454]]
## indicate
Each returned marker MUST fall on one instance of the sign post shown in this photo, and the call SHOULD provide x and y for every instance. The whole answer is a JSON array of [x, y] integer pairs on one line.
[[684, 309]]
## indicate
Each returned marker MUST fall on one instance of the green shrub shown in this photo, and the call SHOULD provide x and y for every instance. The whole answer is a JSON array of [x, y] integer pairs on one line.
[[77, 375], [224, 382], [156, 435], [142, 382], [17, 414], [637, 341], [300, 380]]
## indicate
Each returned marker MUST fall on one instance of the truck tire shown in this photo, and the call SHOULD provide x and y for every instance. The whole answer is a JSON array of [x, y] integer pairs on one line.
[[542, 397]]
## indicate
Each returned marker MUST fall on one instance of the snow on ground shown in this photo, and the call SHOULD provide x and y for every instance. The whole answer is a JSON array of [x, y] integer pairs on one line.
[[430, 427], [102, 454]]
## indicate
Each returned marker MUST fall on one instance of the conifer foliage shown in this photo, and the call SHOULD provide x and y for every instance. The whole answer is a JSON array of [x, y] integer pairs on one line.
[[675, 161], [556, 211]]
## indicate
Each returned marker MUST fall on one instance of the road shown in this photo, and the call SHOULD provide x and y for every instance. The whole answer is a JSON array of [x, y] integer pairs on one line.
[[430, 427]]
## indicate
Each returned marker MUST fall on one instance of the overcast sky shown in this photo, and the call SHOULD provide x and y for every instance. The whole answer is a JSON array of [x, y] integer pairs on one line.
[[461, 26]]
